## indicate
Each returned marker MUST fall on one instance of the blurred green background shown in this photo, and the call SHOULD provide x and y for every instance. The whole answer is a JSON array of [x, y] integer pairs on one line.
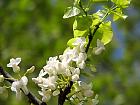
[[34, 30]]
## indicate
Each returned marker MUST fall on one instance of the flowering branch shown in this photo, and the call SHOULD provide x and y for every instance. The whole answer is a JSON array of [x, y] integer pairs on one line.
[[61, 74], [31, 97]]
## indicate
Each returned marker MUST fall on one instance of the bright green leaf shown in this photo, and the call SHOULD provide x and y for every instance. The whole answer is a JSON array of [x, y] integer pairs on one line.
[[107, 33], [71, 11], [104, 33], [71, 41], [122, 3], [81, 26], [118, 14]]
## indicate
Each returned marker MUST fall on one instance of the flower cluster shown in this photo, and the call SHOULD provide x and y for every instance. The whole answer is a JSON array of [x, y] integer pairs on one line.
[[20, 83], [62, 69]]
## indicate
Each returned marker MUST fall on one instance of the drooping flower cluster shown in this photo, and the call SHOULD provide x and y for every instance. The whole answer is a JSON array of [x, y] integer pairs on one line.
[[62, 69]]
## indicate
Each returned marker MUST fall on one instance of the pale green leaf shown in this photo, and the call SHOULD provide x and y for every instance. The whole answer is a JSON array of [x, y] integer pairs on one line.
[[71, 11], [107, 33], [71, 41]]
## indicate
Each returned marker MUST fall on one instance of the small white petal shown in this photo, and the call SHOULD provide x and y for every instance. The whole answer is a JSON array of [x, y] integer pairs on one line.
[[75, 77]]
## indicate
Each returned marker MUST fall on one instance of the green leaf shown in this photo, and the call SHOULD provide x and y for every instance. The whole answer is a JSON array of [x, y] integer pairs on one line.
[[104, 33], [71, 11], [71, 41], [122, 3], [107, 33], [118, 14], [100, 0], [81, 26]]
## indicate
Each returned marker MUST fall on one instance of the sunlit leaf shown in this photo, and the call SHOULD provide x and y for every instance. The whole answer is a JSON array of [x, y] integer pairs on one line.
[[122, 3], [71, 11], [70, 42], [107, 33], [118, 14], [81, 26]]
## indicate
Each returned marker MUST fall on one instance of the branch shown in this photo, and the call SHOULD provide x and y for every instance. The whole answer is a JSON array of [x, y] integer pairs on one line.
[[90, 37], [62, 96], [31, 97]]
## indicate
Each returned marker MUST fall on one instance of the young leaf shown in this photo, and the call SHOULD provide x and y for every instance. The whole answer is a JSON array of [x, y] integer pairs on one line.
[[104, 33], [71, 11], [81, 26], [70, 42], [107, 33], [122, 3], [118, 14]]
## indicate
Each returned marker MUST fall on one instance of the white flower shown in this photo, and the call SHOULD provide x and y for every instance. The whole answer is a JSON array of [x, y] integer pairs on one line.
[[81, 60], [80, 42], [100, 47], [1, 78], [50, 67], [39, 79], [20, 84], [75, 77], [75, 71], [46, 95], [68, 56], [49, 83], [14, 64]]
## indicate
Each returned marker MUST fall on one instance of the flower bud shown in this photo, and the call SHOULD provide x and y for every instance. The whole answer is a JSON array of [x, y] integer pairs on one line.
[[1, 78], [30, 70], [16, 68]]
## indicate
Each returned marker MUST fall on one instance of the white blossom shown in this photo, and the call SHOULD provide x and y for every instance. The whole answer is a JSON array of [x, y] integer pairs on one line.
[[80, 42], [14, 64], [39, 79], [49, 83], [75, 77], [20, 84], [1, 78], [100, 47], [46, 94]]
